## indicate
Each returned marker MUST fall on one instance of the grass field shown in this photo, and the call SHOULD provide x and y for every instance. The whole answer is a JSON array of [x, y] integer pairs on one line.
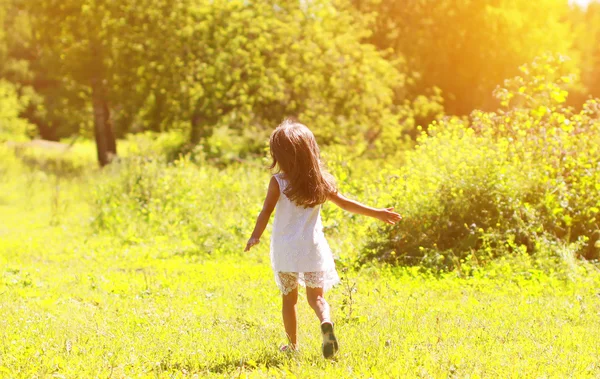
[[78, 304]]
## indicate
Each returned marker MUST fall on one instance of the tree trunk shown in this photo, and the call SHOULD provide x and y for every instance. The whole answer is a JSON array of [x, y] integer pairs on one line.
[[196, 132], [106, 143], [111, 141], [156, 116], [100, 117], [202, 127]]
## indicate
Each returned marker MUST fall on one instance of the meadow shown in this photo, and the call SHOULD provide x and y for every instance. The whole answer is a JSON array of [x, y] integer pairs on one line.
[[79, 299], [133, 155]]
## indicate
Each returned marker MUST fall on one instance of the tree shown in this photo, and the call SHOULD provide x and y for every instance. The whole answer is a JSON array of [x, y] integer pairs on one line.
[[14, 95], [586, 26], [235, 67], [73, 38], [466, 47], [240, 67], [247, 65]]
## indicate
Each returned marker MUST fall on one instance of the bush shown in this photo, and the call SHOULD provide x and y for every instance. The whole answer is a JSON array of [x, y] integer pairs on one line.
[[168, 145], [61, 159], [9, 164], [12, 127], [211, 209], [202, 207], [523, 179]]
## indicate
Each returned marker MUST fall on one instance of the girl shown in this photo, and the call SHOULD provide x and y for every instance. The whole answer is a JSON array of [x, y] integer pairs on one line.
[[299, 252]]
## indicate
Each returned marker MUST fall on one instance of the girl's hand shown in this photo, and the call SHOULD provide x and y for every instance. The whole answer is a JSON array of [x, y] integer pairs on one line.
[[251, 242], [388, 216]]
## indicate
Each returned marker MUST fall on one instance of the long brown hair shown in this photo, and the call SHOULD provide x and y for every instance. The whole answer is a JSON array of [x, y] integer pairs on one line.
[[296, 153]]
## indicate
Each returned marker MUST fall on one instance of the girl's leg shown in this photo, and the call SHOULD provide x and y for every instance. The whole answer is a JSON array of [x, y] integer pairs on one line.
[[321, 308], [318, 304], [288, 311]]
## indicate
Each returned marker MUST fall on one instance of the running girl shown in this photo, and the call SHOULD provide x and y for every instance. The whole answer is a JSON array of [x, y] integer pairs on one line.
[[299, 251]]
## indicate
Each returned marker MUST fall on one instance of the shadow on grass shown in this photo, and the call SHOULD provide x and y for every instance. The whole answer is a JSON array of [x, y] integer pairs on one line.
[[224, 364], [227, 363], [264, 359]]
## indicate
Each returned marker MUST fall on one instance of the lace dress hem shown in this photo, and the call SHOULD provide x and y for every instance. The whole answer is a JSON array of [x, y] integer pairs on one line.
[[288, 281]]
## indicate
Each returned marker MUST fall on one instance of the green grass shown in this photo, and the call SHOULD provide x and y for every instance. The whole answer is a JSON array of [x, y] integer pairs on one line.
[[78, 304]]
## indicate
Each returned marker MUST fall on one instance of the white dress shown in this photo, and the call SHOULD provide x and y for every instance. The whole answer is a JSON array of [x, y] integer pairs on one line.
[[299, 251]]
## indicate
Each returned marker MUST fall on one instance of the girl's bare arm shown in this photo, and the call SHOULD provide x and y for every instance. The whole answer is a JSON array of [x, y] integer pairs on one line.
[[384, 214], [265, 213]]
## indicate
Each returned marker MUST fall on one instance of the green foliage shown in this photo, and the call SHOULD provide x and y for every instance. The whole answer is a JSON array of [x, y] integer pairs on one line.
[[223, 73], [13, 101], [12, 126], [18, 67], [146, 198], [586, 27], [167, 145], [522, 179], [272, 62], [60, 159], [9, 164], [467, 47]]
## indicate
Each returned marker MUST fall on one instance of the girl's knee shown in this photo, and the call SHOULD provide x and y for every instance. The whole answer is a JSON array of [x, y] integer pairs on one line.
[[315, 300]]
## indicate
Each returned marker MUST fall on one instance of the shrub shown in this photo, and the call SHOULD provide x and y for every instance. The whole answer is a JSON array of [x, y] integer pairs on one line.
[[501, 182], [202, 207], [61, 159], [9, 164], [168, 145], [12, 127]]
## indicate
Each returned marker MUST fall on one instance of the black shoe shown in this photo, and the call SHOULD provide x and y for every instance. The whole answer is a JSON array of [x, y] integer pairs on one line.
[[330, 344]]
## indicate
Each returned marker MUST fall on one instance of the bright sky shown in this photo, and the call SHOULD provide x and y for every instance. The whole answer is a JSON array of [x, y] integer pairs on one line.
[[581, 2]]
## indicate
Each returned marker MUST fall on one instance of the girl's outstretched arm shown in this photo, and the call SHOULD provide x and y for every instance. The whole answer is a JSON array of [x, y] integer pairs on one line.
[[384, 214], [265, 214]]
